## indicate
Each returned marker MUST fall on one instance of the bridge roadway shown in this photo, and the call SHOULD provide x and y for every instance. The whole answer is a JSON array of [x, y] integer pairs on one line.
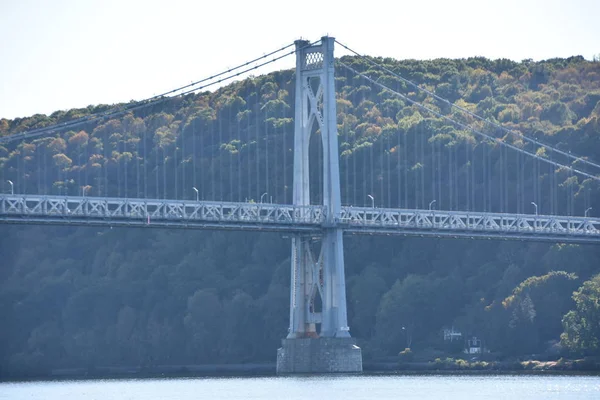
[[100, 211]]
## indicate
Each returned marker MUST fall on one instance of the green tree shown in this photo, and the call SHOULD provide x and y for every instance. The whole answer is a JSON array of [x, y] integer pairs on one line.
[[582, 325]]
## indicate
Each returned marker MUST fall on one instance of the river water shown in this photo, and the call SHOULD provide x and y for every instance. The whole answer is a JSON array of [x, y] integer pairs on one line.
[[327, 387]]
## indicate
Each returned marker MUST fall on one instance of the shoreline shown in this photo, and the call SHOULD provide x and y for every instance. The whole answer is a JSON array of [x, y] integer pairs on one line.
[[268, 370]]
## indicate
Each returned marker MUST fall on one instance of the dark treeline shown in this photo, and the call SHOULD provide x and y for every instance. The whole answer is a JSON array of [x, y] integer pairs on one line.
[[86, 297]]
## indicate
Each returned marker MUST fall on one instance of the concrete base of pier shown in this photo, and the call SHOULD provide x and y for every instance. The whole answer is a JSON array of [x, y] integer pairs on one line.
[[318, 355]]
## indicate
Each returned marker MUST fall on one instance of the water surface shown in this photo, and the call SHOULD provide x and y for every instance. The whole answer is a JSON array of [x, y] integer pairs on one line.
[[325, 387]]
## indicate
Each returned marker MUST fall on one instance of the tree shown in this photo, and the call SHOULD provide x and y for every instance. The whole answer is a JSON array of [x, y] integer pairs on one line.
[[365, 293], [203, 322], [582, 325], [534, 311], [415, 309]]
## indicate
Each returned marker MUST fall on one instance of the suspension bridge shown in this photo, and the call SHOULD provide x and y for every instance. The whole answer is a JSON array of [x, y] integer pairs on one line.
[[174, 186]]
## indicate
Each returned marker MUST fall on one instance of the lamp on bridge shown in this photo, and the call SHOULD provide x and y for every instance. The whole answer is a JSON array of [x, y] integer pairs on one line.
[[372, 200], [431, 203], [586, 211], [196, 190], [536, 208], [12, 186], [262, 195]]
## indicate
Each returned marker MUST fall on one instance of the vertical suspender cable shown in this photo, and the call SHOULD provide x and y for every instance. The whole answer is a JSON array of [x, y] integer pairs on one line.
[[125, 149], [79, 167], [285, 168], [451, 179], [240, 142], [257, 145], [522, 187], [123, 159], [87, 159], [138, 160], [469, 169], [266, 152], [382, 172], [194, 153], [484, 178], [518, 188], [536, 186], [433, 165], [39, 172], [220, 153], [58, 177], [365, 190], [48, 184], [354, 176], [126, 167], [405, 159], [388, 156], [555, 208], [202, 173], [474, 170], [415, 170], [439, 150], [212, 155], [354, 161], [118, 153], [507, 181], [156, 148], [423, 137], [490, 150], [350, 155], [571, 202], [185, 188], [164, 163], [455, 173], [499, 193], [372, 166], [347, 199], [248, 155], [229, 140], [105, 148], [398, 168]]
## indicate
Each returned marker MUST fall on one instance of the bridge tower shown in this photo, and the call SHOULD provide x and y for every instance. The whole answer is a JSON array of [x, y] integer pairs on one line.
[[318, 288]]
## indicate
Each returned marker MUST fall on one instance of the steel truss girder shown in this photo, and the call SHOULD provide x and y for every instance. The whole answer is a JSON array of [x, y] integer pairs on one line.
[[365, 220], [153, 212], [289, 218]]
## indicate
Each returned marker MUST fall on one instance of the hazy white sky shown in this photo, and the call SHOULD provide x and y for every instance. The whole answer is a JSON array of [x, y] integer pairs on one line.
[[62, 54]]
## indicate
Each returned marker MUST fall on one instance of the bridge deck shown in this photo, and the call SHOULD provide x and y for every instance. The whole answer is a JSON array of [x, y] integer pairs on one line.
[[96, 211]]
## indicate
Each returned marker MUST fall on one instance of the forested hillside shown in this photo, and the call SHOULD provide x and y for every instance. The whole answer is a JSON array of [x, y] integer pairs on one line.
[[87, 297]]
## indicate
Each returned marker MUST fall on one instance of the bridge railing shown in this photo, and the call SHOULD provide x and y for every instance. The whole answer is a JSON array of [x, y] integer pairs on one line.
[[93, 210], [463, 223]]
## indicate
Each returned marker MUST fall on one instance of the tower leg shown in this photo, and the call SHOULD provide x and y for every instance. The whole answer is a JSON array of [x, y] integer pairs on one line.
[[331, 350]]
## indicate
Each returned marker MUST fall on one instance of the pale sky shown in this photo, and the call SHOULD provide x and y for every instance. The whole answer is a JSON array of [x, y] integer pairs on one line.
[[60, 54]]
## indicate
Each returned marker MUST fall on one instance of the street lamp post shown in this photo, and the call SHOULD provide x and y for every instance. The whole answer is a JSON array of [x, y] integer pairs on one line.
[[372, 200], [431, 203], [83, 191], [536, 208], [262, 196], [586, 211], [12, 186], [196, 190]]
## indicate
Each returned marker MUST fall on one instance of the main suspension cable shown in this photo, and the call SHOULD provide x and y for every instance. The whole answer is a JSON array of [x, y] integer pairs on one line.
[[155, 100]]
